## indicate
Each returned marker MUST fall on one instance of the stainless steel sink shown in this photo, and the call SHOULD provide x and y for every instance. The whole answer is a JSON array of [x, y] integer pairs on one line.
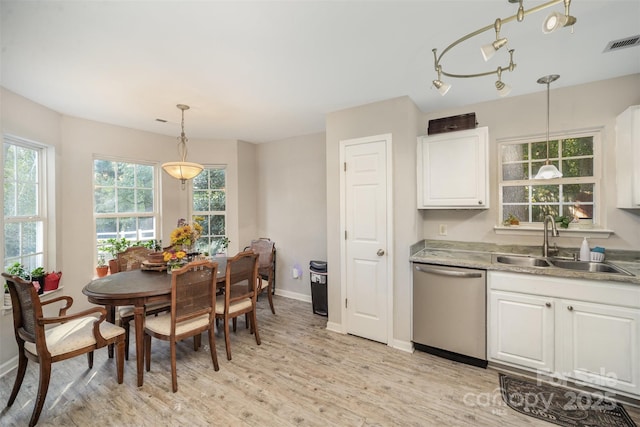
[[523, 261], [593, 267]]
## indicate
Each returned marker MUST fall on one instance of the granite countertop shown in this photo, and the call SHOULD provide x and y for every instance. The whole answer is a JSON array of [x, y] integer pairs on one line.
[[480, 255]]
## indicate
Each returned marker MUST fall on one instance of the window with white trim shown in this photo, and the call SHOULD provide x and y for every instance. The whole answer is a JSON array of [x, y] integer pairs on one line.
[[124, 200], [575, 195], [209, 201], [24, 235]]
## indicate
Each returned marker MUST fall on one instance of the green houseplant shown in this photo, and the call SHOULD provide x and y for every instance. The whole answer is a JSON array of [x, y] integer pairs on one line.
[[102, 268], [15, 269]]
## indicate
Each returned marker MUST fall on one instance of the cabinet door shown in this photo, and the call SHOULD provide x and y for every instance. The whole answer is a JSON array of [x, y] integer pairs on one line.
[[628, 158], [453, 170], [599, 345], [521, 330]]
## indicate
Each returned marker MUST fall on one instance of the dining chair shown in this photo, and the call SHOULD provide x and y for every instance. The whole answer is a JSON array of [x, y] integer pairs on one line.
[[73, 335], [193, 298], [266, 250], [132, 259], [241, 275]]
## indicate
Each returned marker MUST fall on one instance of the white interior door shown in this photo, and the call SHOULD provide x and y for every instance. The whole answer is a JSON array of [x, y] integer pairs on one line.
[[366, 191]]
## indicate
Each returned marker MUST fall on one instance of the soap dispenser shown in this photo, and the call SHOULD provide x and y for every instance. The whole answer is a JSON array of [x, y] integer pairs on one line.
[[585, 252]]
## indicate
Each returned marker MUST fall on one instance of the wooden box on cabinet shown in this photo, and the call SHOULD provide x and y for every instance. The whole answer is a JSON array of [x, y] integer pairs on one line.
[[453, 170]]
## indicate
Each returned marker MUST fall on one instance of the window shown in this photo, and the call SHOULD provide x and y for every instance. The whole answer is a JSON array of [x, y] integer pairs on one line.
[[24, 208], [124, 200], [210, 203], [575, 195]]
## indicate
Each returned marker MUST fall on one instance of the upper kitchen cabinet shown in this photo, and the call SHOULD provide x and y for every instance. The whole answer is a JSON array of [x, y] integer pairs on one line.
[[628, 158], [453, 170]]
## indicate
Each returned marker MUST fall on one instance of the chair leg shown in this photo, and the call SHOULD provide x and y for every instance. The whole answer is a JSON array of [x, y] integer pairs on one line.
[[174, 374], [197, 342], [270, 297], [227, 342], [125, 326], [43, 387], [254, 325], [90, 359], [147, 351], [214, 352], [22, 368], [120, 360], [235, 322]]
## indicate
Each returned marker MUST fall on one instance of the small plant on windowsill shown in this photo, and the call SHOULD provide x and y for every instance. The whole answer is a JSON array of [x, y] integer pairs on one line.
[[102, 268], [563, 221]]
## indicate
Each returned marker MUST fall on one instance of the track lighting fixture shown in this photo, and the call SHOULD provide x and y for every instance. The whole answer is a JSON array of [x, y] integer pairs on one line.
[[552, 22]]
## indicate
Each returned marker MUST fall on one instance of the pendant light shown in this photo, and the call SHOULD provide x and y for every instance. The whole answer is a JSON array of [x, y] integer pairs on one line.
[[182, 169], [548, 171]]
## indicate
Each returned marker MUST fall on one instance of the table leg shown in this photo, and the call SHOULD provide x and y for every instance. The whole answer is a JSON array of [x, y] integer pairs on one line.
[[111, 318], [138, 313]]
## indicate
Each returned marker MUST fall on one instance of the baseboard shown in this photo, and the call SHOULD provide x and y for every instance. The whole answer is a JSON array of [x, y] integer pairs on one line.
[[335, 327], [293, 295], [406, 346], [8, 366]]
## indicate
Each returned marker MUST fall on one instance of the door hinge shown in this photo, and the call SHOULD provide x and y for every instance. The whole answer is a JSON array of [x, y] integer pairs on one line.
[[345, 166], [346, 303], [345, 234]]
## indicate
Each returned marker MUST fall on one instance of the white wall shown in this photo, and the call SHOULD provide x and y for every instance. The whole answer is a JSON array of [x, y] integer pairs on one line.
[[588, 106], [292, 207]]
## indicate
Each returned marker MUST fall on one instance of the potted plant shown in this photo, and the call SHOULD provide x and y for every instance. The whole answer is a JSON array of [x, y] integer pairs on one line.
[[15, 269], [102, 268], [113, 247], [37, 275]]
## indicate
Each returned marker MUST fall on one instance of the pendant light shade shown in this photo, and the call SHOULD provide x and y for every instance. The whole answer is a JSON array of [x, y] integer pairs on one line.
[[548, 171], [182, 169]]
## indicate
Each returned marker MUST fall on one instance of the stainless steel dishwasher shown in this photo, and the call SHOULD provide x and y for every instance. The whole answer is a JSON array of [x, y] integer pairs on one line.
[[449, 312]]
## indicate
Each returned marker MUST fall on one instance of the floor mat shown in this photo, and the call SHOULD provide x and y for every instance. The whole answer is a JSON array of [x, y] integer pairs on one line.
[[562, 406]]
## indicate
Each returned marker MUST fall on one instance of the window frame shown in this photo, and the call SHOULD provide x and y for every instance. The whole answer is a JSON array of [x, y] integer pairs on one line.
[[595, 179], [193, 213], [40, 257], [155, 213]]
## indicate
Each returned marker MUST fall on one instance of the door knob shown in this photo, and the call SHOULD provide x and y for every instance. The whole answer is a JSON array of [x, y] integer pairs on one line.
[[380, 252]]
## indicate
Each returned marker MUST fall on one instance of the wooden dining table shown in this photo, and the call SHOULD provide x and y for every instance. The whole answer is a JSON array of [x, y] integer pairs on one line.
[[136, 288]]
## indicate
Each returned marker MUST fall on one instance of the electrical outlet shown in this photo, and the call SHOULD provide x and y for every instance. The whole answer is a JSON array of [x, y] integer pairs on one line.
[[442, 229]]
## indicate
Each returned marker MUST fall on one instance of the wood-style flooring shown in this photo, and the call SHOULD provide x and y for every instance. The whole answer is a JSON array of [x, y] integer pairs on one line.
[[301, 375]]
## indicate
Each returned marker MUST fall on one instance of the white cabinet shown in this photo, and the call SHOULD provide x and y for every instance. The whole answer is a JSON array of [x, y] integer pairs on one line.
[[628, 158], [599, 344], [453, 170], [522, 331], [582, 330]]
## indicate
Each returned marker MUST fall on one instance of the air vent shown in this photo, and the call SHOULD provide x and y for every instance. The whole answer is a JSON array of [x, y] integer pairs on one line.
[[622, 43]]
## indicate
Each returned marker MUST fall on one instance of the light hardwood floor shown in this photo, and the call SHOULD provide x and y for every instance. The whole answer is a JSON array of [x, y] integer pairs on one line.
[[301, 375]]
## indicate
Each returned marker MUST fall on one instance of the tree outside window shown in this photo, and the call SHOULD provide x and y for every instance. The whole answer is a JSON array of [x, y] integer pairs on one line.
[[530, 200], [24, 219], [210, 202], [124, 200]]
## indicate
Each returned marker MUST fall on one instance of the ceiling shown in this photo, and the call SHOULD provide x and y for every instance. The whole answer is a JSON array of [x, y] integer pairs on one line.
[[261, 71]]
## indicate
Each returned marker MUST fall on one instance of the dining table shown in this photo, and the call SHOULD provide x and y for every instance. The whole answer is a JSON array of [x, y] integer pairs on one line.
[[137, 288]]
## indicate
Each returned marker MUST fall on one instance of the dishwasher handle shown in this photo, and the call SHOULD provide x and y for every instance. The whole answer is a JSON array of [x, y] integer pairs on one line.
[[446, 272]]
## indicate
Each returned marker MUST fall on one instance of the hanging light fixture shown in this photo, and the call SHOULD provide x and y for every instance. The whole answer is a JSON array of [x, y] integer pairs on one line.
[[548, 171], [182, 170], [554, 20]]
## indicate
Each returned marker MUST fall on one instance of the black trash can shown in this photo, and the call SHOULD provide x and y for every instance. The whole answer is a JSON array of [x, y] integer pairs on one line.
[[318, 274]]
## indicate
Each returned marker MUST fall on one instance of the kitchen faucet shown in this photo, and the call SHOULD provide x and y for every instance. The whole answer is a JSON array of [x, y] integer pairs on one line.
[[554, 231]]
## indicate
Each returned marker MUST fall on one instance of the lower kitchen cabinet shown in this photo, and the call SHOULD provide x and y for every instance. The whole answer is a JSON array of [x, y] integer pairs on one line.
[[581, 330]]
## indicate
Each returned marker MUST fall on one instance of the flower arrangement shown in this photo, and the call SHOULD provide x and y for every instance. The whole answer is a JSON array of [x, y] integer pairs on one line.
[[186, 234], [174, 258]]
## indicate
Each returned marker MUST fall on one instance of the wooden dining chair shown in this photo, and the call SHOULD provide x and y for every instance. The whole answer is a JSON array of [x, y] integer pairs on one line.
[[193, 298], [73, 335], [266, 250], [132, 259], [241, 275]]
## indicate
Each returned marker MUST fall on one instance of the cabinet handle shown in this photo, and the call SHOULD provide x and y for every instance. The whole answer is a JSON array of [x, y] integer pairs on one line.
[[548, 304], [570, 308]]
